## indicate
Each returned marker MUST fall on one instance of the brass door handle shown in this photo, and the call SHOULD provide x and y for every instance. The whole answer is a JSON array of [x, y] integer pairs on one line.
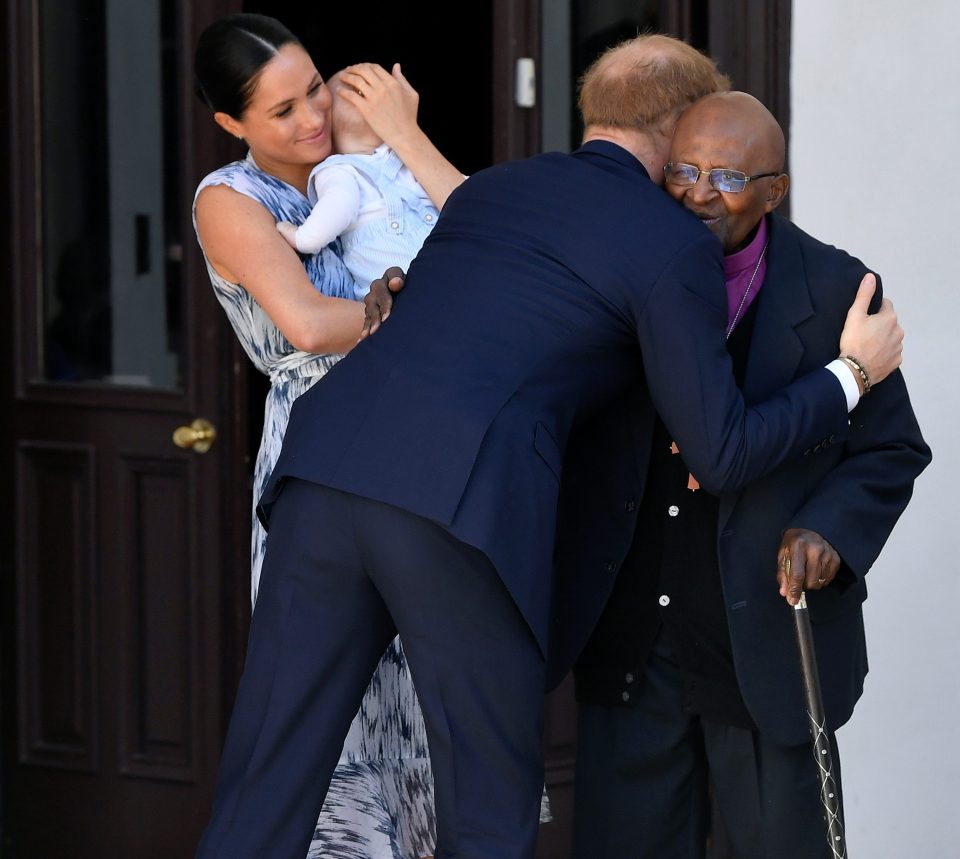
[[200, 435]]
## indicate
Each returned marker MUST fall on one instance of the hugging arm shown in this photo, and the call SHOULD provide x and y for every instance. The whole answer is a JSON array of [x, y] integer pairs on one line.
[[681, 331], [240, 238]]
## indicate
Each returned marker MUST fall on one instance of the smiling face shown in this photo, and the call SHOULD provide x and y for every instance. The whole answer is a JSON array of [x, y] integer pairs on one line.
[[286, 123], [731, 130]]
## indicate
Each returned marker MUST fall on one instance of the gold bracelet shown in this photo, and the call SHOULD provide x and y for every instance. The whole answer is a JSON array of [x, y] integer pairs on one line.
[[854, 364]]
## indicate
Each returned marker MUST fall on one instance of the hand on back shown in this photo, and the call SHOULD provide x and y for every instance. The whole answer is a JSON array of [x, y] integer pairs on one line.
[[874, 340], [379, 300]]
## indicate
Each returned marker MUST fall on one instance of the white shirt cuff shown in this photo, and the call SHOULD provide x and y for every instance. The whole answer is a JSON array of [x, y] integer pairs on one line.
[[850, 388]]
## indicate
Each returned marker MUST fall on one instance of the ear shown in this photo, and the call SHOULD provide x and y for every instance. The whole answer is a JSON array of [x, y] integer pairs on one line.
[[778, 190], [228, 124]]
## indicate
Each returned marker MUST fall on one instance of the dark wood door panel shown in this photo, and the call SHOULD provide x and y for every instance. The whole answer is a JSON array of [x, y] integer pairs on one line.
[[157, 601], [57, 690], [119, 641], [119, 638]]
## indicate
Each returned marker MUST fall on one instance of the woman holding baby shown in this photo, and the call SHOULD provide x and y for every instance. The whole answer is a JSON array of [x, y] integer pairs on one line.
[[294, 316]]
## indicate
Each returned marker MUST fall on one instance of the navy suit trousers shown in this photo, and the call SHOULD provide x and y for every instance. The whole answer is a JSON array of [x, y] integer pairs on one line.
[[643, 773], [342, 575]]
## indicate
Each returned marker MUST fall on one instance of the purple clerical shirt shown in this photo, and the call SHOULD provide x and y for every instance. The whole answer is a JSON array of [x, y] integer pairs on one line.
[[738, 269]]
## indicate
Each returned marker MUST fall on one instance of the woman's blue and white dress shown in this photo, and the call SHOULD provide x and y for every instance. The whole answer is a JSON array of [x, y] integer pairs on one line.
[[380, 802]]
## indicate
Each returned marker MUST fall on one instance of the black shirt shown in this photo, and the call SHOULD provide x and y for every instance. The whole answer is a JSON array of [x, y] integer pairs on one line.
[[670, 583]]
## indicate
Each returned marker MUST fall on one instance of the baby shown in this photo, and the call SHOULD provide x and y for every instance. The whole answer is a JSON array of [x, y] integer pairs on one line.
[[365, 195]]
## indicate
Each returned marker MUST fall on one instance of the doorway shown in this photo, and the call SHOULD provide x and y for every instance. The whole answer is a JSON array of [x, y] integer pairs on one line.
[[452, 76], [127, 557]]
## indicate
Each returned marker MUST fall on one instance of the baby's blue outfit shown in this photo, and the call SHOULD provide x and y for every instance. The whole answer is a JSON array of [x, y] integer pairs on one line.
[[395, 237]]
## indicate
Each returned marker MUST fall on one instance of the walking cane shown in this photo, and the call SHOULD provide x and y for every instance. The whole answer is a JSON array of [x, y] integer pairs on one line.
[[833, 815]]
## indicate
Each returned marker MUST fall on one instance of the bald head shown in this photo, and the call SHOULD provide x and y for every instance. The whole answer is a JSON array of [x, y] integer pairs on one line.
[[740, 117], [729, 131]]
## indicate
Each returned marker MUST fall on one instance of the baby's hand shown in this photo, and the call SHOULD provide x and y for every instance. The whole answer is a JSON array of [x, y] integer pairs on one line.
[[289, 232]]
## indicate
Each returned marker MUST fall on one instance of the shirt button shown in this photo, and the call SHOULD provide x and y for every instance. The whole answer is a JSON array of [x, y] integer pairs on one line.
[[673, 510], [664, 600], [628, 677], [428, 217], [625, 696], [394, 225], [630, 506]]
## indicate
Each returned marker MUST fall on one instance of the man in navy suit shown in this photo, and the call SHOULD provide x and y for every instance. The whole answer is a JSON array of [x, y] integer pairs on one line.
[[692, 677], [417, 487]]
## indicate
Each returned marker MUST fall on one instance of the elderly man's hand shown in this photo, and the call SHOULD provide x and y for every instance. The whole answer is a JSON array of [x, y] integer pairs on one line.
[[379, 300], [806, 562]]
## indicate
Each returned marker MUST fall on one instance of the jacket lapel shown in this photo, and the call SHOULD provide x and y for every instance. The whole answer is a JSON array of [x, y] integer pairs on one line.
[[776, 348]]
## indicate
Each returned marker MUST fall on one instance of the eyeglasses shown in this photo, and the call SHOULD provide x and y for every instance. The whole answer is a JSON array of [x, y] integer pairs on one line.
[[721, 178]]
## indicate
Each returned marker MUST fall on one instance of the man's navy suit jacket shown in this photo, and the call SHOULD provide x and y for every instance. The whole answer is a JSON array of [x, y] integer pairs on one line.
[[549, 288], [849, 491]]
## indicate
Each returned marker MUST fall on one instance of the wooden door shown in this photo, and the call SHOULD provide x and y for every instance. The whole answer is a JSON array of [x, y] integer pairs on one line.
[[121, 626], [125, 557]]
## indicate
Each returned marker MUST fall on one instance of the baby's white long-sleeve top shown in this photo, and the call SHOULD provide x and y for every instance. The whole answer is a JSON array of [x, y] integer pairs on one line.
[[375, 205], [336, 189]]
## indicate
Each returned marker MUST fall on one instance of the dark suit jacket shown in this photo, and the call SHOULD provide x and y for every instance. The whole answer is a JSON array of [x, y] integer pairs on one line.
[[549, 288], [850, 491]]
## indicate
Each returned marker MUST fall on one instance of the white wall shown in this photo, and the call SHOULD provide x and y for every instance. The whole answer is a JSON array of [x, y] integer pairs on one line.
[[875, 162]]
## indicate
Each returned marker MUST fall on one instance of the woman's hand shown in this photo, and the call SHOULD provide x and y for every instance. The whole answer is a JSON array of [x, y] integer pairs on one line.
[[389, 105], [387, 101]]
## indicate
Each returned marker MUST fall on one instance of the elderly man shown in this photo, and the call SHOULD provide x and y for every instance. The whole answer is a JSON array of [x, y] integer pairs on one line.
[[691, 676], [418, 484]]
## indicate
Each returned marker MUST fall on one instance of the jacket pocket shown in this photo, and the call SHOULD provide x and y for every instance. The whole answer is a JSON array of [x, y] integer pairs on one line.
[[831, 603]]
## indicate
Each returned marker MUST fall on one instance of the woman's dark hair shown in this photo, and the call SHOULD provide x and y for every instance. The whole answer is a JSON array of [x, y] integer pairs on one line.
[[230, 55]]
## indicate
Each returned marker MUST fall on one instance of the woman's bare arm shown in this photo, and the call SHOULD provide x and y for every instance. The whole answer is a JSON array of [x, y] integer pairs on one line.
[[241, 241]]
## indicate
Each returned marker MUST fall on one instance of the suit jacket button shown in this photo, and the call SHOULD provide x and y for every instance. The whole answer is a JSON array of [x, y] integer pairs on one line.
[[626, 697], [630, 506], [611, 567], [629, 677]]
